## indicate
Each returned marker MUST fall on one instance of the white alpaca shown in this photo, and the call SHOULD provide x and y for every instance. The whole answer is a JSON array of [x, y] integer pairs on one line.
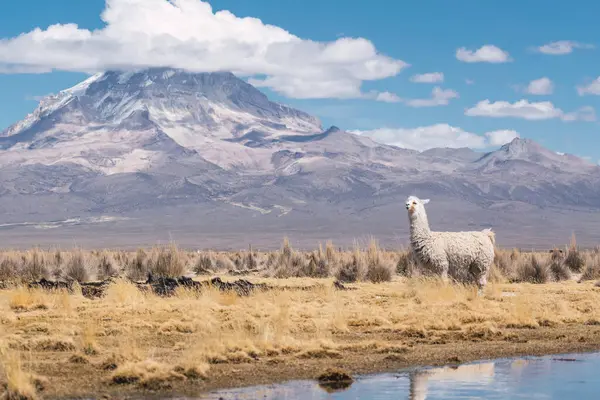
[[464, 256]]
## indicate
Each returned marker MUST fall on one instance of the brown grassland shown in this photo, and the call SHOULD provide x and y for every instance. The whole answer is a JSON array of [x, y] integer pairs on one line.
[[59, 343]]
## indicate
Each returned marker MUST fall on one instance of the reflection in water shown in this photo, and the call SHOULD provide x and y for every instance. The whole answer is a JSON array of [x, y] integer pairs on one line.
[[479, 374], [332, 387], [525, 378]]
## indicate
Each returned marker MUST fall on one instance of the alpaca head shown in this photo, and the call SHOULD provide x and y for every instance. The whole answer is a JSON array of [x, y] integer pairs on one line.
[[416, 206]]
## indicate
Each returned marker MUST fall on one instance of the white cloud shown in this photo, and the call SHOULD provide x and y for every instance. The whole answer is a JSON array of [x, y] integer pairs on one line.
[[488, 53], [501, 137], [188, 34], [430, 77], [542, 86], [469, 81], [9, 68], [562, 47], [387, 97], [525, 110], [591, 88], [586, 113], [439, 97], [438, 135]]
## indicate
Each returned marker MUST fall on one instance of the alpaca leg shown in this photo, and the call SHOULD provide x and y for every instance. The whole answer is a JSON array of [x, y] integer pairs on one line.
[[478, 275], [481, 283], [444, 272]]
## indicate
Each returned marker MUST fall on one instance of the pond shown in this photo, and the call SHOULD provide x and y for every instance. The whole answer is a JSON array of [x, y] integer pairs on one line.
[[573, 376]]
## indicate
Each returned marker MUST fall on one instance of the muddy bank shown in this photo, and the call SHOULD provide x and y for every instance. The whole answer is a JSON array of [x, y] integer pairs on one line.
[[125, 343], [79, 381]]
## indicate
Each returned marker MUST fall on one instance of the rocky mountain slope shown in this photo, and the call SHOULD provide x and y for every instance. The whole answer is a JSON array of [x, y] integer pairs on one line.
[[209, 156]]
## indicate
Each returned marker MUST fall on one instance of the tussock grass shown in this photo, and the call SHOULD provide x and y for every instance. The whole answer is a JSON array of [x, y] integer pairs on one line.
[[148, 374], [140, 340], [20, 384], [360, 263], [130, 337], [23, 299], [76, 268], [575, 260], [166, 262], [592, 267], [533, 270]]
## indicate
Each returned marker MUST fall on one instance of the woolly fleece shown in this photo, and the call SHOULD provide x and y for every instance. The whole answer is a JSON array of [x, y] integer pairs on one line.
[[463, 256]]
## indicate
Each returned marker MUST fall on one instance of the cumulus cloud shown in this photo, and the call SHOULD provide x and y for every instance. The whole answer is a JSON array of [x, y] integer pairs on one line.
[[591, 88], [542, 86], [439, 97], [438, 135], [562, 47], [586, 113], [501, 137], [430, 77], [187, 34], [488, 53], [10, 68], [530, 111], [387, 97]]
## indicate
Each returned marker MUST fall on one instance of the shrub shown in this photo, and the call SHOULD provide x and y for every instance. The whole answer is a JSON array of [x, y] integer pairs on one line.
[[380, 272], [34, 266], [592, 268], [224, 263], [558, 267], [250, 260], [291, 264], [204, 264], [354, 270], [533, 271], [9, 269], [407, 264], [137, 268], [378, 268], [574, 260], [76, 268], [317, 267], [106, 267], [167, 262]]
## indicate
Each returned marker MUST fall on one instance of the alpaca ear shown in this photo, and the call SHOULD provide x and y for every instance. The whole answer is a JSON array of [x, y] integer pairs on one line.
[[425, 201]]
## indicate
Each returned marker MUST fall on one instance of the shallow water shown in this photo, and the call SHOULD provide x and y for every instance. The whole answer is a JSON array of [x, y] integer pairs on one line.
[[573, 376]]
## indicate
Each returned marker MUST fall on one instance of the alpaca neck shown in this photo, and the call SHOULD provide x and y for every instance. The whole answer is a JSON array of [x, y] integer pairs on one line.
[[419, 228]]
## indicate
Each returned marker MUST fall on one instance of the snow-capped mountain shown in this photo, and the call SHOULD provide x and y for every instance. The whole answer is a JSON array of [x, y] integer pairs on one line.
[[130, 118], [208, 153]]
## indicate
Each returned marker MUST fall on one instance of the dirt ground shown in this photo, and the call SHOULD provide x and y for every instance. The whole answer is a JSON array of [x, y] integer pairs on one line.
[[128, 343]]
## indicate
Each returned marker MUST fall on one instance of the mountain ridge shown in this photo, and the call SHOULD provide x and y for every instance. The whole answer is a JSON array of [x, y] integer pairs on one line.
[[123, 143]]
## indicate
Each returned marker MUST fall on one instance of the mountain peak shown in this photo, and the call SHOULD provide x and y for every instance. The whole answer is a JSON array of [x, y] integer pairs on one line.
[[523, 154], [520, 145], [214, 104]]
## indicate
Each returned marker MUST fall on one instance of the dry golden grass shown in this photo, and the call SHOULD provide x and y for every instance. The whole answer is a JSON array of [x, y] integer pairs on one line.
[[363, 262], [146, 342], [131, 340], [18, 383]]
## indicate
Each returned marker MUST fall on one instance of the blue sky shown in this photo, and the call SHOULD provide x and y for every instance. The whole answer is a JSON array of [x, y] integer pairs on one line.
[[426, 35]]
